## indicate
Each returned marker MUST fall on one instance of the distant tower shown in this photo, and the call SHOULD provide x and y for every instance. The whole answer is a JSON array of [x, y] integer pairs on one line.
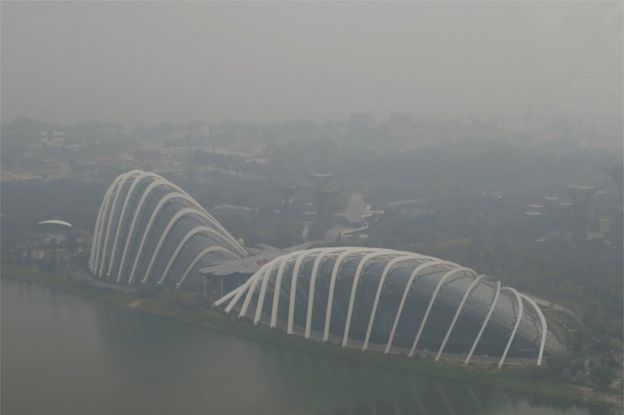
[[581, 197]]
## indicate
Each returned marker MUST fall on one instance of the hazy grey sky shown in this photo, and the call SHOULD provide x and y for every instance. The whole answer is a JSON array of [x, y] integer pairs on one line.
[[135, 62]]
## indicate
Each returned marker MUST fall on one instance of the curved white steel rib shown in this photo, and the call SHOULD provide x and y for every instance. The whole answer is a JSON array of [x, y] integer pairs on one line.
[[250, 290], [137, 212], [106, 203], [419, 269], [97, 238], [332, 283], [122, 182], [430, 305], [358, 272], [278, 285], [251, 284], [98, 225], [113, 213], [148, 228], [209, 217], [228, 296], [265, 276], [178, 215], [180, 194], [382, 279], [98, 221], [485, 322], [195, 231], [248, 287], [540, 314], [273, 272], [457, 313], [515, 329], [172, 222], [315, 269], [104, 221], [199, 256], [137, 179], [238, 293], [110, 217], [293, 287]]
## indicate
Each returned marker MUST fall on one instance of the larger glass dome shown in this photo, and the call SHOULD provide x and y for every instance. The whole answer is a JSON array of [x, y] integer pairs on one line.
[[394, 302]]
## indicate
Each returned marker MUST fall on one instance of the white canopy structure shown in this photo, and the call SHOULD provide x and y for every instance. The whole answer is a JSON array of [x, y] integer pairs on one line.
[[56, 222]]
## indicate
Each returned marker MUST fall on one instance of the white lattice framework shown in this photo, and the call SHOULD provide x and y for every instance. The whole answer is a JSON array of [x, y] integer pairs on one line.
[[291, 265], [117, 228]]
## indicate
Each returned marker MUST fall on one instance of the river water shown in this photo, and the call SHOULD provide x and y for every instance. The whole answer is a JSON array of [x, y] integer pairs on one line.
[[62, 354]]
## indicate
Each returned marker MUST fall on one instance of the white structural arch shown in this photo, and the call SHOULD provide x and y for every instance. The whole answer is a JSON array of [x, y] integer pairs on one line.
[[138, 210], [315, 269], [544, 330], [124, 206], [278, 285], [516, 325], [332, 283], [328, 263], [380, 284], [101, 221], [456, 316], [149, 227], [432, 301], [207, 251], [198, 230], [418, 271], [293, 287], [105, 208], [112, 210], [129, 194], [358, 272], [98, 225], [484, 324], [172, 222], [239, 292], [280, 262], [264, 272]]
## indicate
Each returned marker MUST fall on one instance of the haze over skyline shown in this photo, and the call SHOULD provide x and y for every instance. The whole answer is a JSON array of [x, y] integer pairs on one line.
[[271, 62]]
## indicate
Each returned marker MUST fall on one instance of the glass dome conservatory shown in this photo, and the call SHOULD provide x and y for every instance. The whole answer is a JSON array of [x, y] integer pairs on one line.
[[393, 302], [150, 230]]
